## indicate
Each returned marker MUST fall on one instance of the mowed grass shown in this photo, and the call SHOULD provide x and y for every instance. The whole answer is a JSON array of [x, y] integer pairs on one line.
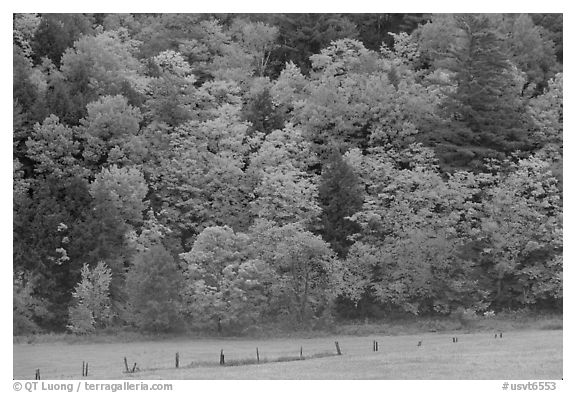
[[518, 355]]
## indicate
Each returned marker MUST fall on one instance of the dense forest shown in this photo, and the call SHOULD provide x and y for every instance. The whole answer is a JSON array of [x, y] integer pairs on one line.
[[231, 171]]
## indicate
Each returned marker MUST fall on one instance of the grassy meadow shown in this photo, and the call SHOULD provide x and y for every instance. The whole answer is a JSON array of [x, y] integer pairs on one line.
[[522, 354]]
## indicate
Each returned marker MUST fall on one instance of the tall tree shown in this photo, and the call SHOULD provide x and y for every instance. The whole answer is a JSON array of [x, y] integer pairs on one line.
[[122, 189], [284, 191], [54, 150], [413, 223], [153, 285], [304, 271], [109, 123], [340, 196], [201, 180], [483, 99], [225, 284], [521, 233], [92, 294], [102, 65], [54, 234], [260, 110], [484, 110]]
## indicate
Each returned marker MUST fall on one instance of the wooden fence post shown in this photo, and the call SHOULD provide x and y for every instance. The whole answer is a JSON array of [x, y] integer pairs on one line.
[[222, 362], [337, 348], [257, 356], [300, 352], [177, 359], [126, 364]]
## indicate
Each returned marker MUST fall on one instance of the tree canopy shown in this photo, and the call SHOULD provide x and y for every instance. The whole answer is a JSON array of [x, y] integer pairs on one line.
[[226, 171]]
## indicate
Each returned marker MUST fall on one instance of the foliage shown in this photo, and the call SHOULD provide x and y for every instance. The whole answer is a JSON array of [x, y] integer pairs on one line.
[[483, 100], [547, 113], [296, 166], [171, 99], [552, 25], [202, 181], [57, 32], [285, 192], [225, 284], [92, 309], [53, 146], [25, 26], [109, 125], [172, 62], [27, 308], [101, 65], [54, 244], [153, 290], [486, 82], [531, 50], [26, 92], [304, 271], [260, 110], [413, 224], [522, 231], [81, 320], [120, 189], [303, 35], [340, 196], [152, 234], [257, 39], [355, 101]]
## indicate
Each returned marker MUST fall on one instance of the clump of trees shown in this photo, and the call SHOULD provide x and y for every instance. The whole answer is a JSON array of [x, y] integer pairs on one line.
[[221, 172]]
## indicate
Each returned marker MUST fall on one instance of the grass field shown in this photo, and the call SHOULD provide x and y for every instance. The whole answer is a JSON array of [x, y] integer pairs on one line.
[[531, 355]]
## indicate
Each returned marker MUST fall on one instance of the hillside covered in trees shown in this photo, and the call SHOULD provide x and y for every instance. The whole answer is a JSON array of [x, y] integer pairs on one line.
[[225, 171]]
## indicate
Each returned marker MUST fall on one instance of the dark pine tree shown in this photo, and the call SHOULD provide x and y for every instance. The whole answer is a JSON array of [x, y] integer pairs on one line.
[[302, 35], [260, 111], [340, 197], [487, 117], [45, 222], [374, 29]]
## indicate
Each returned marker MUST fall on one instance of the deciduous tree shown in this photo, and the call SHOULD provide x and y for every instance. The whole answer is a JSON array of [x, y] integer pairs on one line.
[[92, 308], [153, 287], [226, 287]]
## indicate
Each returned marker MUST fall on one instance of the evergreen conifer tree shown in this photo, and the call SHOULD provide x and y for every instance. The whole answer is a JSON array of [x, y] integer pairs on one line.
[[340, 197], [484, 100]]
